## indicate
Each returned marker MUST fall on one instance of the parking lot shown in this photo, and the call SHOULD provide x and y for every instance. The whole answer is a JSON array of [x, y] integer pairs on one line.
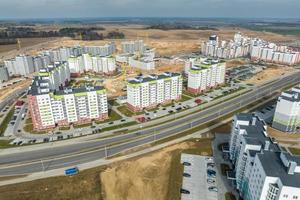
[[199, 178]]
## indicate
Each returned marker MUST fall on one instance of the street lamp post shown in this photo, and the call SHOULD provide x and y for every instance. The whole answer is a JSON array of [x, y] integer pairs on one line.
[[43, 165]]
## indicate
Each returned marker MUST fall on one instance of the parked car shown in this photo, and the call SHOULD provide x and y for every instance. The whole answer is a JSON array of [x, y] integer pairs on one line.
[[211, 173], [213, 189], [209, 180], [184, 191], [210, 164], [186, 164], [186, 175]]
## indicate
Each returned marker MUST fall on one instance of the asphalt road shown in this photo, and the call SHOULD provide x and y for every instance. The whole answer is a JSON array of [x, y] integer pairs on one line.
[[74, 154]]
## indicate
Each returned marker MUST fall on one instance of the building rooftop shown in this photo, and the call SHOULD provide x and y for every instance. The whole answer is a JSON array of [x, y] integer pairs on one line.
[[274, 167], [256, 131], [152, 77]]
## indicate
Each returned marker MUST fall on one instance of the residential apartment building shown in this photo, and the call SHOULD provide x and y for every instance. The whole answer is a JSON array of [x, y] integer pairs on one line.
[[287, 112], [149, 91], [3, 74], [51, 103], [21, 65], [141, 63], [205, 75], [238, 47], [262, 171], [98, 64], [132, 47], [270, 52]]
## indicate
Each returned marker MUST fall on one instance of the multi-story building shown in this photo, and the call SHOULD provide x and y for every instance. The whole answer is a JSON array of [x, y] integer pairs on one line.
[[261, 170], [148, 92], [41, 61], [287, 112], [132, 47], [141, 63], [270, 52], [98, 64], [106, 50], [3, 74], [239, 47], [205, 75], [51, 104], [21, 65], [57, 76]]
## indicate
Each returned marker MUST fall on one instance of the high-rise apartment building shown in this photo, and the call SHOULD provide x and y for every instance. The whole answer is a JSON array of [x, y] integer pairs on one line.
[[51, 103], [21, 65], [149, 91], [132, 47], [205, 75], [287, 112], [262, 171], [98, 64]]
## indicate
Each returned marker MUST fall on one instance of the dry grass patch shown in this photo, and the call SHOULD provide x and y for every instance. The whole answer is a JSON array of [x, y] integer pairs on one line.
[[83, 186]]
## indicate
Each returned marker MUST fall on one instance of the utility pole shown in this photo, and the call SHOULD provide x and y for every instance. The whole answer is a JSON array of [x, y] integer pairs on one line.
[[43, 165], [105, 150]]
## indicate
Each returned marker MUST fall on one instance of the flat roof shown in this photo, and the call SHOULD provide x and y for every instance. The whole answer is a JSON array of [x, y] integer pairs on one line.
[[274, 167]]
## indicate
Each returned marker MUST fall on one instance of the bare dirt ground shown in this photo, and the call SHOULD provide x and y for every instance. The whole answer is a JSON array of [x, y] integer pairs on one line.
[[144, 178], [279, 135], [270, 73], [235, 63], [151, 176], [6, 92]]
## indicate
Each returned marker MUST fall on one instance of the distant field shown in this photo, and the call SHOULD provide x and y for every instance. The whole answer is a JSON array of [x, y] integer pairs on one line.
[[283, 30], [25, 42]]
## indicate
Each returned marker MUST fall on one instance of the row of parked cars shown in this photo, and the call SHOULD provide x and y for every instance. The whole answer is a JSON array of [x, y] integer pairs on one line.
[[211, 175]]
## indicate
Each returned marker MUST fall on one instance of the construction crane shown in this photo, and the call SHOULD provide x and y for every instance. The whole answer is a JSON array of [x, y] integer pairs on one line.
[[19, 44]]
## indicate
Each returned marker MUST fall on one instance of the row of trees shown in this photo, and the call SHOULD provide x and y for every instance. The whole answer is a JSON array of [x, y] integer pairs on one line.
[[11, 33]]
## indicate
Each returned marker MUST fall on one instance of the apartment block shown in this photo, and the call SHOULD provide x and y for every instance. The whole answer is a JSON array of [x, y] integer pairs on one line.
[[51, 103], [98, 64], [205, 75], [152, 90], [132, 47], [287, 112], [262, 171], [238, 47], [21, 65], [3, 74]]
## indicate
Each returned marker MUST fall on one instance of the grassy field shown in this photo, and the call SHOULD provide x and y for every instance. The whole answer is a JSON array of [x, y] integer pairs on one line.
[[5, 144], [127, 112], [295, 151], [6, 120], [185, 98], [83, 186], [113, 116]]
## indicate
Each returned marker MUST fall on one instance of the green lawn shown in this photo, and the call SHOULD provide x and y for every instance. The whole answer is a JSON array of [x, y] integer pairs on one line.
[[185, 98], [295, 151], [6, 120], [124, 109], [82, 125], [5, 144], [64, 128], [113, 116], [113, 102]]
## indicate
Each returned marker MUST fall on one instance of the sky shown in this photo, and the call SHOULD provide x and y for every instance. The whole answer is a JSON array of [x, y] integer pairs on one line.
[[20, 9]]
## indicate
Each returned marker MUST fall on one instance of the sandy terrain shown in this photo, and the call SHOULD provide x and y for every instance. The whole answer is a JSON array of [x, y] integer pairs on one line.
[[281, 136], [143, 178], [235, 63], [6, 92], [269, 73]]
